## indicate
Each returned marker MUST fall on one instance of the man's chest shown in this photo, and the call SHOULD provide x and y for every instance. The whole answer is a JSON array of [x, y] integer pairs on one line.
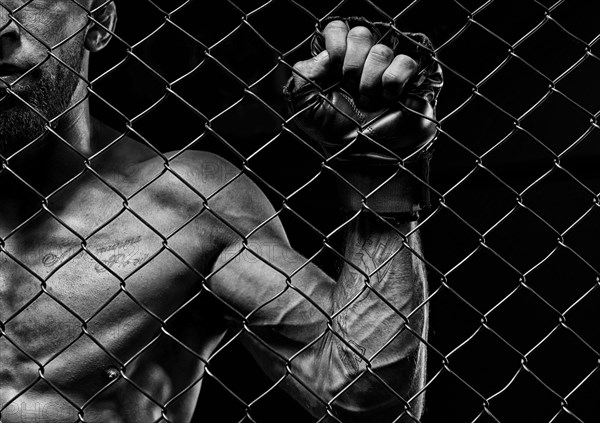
[[113, 285]]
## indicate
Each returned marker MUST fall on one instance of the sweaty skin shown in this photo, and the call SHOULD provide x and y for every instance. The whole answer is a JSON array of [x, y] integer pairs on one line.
[[119, 279]]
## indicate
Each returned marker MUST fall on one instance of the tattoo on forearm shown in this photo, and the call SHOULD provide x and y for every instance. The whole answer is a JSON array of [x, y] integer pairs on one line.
[[372, 257]]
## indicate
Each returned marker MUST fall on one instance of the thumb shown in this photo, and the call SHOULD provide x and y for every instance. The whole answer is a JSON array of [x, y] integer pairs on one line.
[[312, 69]]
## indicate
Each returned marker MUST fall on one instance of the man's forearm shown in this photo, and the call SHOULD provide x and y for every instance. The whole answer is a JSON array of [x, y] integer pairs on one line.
[[380, 315]]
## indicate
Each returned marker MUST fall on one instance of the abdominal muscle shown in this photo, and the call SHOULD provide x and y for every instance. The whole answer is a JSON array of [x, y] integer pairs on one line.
[[53, 408], [86, 385], [141, 396]]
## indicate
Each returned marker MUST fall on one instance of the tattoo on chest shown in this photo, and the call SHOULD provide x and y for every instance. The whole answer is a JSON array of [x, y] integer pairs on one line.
[[115, 255]]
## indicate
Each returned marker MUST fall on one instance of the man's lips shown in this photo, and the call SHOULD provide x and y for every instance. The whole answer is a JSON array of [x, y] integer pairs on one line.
[[9, 73], [8, 68]]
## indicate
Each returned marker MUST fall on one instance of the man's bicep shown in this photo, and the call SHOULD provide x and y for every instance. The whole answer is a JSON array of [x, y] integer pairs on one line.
[[269, 285]]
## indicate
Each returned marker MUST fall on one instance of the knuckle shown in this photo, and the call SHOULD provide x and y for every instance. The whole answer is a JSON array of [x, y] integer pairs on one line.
[[407, 61], [360, 33], [381, 53], [337, 50], [391, 77], [369, 87], [392, 84], [352, 69], [303, 70], [352, 66]]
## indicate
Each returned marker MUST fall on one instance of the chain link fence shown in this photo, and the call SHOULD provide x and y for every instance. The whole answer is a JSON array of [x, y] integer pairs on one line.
[[508, 242]]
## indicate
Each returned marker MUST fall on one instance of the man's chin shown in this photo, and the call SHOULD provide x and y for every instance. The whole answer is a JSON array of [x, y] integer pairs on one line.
[[18, 128], [7, 102], [46, 90]]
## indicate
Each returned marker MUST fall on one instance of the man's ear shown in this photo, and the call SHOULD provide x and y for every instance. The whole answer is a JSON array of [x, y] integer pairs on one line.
[[101, 26]]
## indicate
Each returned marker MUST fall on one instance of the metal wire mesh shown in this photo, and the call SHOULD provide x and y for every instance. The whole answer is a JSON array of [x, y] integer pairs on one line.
[[508, 243]]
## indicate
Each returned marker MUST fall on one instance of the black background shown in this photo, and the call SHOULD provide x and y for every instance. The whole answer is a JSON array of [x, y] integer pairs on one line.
[[514, 295]]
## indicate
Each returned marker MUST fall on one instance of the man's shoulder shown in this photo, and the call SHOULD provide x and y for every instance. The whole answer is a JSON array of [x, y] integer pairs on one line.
[[196, 183], [132, 164], [203, 170], [202, 176], [200, 172]]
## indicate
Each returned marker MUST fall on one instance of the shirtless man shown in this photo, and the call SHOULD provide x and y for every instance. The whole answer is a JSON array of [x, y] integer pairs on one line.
[[119, 266]]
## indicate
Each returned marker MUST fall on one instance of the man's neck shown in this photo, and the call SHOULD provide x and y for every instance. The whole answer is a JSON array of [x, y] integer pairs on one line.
[[51, 161]]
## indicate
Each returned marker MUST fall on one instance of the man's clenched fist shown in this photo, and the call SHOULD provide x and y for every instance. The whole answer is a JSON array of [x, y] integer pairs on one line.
[[370, 68], [368, 96]]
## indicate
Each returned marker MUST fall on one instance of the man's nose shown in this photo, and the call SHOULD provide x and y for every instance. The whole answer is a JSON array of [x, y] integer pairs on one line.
[[9, 34]]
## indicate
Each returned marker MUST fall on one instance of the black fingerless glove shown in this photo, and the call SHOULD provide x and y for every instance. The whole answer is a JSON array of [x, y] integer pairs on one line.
[[382, 151]]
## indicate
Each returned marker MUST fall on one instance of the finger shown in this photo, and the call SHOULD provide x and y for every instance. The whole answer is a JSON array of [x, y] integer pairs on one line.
[[311, 70], [359, 44], [371, 80], [395, 77], [335, 34]]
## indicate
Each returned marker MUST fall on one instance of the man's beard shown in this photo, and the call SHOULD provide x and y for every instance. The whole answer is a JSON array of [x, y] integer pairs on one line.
[[47, 89]]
